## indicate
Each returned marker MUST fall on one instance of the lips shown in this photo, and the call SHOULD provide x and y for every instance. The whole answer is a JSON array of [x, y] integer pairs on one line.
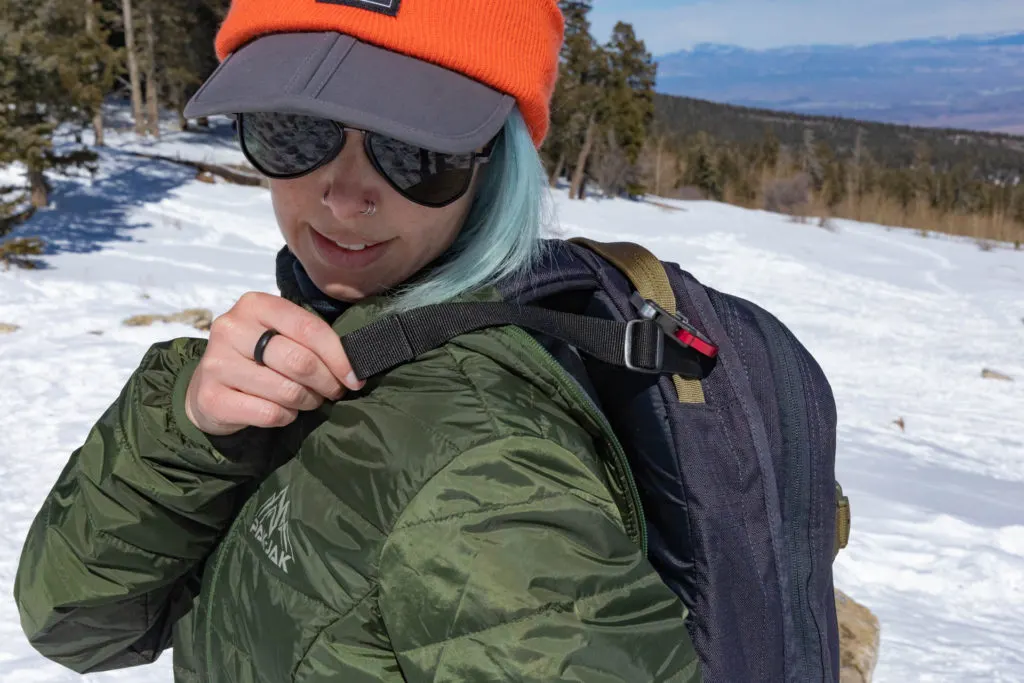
[[350, 254]]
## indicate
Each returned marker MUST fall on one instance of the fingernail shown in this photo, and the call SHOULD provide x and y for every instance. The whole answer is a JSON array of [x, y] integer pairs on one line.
[[352, 382]]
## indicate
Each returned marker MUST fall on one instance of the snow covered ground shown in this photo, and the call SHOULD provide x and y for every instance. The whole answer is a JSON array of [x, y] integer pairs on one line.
[[902, 325]]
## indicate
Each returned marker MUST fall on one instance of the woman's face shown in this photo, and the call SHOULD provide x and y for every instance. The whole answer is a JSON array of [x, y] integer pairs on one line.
[[325, 208]]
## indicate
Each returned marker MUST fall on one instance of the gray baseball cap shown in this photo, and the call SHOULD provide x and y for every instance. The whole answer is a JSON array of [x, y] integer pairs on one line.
[[338, 77]]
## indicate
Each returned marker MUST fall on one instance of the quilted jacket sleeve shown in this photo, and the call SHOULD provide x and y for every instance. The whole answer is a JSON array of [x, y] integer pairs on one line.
[[115, 554], [530, 577]]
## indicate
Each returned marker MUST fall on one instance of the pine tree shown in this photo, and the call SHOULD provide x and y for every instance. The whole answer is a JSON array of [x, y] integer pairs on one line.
[[41, 83], [700, 169], [192, 23], [568, 116], [583, 73], [152, 123], [132, 59], [768, 150], [630, 94], [105, 61]]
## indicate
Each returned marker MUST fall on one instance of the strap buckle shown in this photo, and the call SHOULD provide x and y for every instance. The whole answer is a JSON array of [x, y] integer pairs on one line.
[[659, 351], [675, 325]]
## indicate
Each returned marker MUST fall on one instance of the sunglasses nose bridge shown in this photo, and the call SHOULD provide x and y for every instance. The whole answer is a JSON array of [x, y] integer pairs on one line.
[[352, 153], [347, 186]]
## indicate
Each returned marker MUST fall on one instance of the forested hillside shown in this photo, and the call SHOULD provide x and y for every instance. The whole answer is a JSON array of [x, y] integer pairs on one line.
[[61, 61]]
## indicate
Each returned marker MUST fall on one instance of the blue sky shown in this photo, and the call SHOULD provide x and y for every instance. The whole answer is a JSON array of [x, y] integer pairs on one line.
[[669, 25]]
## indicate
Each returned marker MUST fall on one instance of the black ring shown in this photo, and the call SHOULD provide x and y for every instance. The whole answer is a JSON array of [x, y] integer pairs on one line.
[[261, 345]]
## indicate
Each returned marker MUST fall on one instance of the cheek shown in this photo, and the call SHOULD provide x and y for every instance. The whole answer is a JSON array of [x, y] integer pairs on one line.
[[437, 235], [286, 200]]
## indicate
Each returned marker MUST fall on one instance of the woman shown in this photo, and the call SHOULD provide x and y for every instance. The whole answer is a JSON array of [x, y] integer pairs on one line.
[[456, 519]]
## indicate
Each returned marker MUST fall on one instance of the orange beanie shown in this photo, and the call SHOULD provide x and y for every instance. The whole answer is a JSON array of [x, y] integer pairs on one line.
[[510, 45]]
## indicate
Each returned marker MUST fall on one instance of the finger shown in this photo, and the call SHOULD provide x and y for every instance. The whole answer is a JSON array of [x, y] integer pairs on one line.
[[293, 376], [239, 408], [294, 362], [308, 330], [270, 385]]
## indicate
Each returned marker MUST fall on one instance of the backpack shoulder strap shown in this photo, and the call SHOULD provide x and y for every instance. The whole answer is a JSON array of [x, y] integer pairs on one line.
[[647, 274]]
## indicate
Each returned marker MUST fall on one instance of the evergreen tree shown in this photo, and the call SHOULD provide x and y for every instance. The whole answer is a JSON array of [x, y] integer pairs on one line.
[[569, 116], [44, 82], [585, 70], [630, 94], [700, 169]]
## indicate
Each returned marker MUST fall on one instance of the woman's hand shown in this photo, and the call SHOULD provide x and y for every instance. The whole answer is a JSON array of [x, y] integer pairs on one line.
[[304, 365]]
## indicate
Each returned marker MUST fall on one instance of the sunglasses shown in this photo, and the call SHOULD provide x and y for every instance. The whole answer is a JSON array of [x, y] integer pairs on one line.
[[286, 146]]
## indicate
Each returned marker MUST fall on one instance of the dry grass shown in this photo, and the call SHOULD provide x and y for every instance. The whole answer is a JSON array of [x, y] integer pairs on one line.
[[987, 231], [199, 318], [921, 216]]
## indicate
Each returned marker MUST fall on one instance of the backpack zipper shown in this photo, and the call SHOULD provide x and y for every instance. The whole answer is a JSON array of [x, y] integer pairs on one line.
[[639, 534], [799, 522]]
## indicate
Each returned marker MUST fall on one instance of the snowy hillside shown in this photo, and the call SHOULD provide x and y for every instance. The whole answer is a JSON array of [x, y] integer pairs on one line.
[[902, 325]]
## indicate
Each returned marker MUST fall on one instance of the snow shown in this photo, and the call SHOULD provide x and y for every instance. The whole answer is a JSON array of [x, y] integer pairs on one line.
[[902, 325]]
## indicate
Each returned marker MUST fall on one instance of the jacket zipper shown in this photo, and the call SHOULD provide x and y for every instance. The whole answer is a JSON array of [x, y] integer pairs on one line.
[[621, 461], [208, 600]]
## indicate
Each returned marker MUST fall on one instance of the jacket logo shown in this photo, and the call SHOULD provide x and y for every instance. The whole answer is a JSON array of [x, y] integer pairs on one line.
[[388, 7], [270, 528]]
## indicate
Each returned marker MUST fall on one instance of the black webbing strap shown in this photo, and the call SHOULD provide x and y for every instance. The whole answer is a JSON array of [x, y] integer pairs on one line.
[[391, 341]]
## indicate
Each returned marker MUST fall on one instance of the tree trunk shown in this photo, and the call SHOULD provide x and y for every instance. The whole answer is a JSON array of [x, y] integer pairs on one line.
[[581, 161], [182, 121], [90, 29], [152, 91], [553, 181], [40, 193], [657, 166], [133, 68]]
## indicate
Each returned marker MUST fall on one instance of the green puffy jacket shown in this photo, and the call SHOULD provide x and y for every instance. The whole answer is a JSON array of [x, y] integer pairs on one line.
[[466, 517]]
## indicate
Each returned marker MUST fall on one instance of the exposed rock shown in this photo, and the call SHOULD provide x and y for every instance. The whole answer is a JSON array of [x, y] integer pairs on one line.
[[7, 328], [992, 374], [199, 318], [859, 640], [901, 424]]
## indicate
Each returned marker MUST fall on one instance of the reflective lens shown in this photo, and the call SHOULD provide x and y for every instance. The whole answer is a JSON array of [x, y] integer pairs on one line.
[[290, 145], [421, 175]]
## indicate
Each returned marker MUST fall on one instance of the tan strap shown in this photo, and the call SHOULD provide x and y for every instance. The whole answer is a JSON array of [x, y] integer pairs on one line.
[[647, 274], [843, 520]]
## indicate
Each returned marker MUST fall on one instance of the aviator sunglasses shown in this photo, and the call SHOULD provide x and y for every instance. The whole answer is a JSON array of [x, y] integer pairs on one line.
[[286, 146]]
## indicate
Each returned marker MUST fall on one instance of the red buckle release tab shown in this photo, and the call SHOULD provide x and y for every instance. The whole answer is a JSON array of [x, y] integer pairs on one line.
[[675, 325], [687, 338]]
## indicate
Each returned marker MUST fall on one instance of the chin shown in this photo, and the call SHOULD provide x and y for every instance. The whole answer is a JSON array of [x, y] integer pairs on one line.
[[349, 292]]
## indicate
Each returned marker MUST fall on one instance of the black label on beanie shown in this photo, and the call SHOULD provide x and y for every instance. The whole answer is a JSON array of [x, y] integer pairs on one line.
[[388, 7]]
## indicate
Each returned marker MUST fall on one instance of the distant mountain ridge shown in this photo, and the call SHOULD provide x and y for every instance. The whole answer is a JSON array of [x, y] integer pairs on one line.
[[970, 82]]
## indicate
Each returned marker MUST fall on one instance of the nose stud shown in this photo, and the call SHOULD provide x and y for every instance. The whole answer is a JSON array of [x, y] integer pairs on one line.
[[371, 208]]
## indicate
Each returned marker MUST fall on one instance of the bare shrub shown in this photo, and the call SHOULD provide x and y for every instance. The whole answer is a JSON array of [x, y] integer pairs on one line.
[[827, 223], [687, 193], [788, 195], [611, 167]]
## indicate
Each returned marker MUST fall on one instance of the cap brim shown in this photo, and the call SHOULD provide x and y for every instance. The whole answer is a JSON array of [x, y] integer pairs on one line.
[[338, 77]]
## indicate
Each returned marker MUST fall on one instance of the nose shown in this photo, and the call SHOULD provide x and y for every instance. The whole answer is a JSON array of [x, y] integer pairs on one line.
[[348, 180]]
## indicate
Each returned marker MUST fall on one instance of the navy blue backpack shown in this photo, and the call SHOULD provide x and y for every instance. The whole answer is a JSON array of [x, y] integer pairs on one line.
[[729, 425]]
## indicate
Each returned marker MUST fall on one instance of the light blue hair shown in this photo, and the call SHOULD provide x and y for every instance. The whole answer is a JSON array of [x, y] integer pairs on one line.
[[501, 235]]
